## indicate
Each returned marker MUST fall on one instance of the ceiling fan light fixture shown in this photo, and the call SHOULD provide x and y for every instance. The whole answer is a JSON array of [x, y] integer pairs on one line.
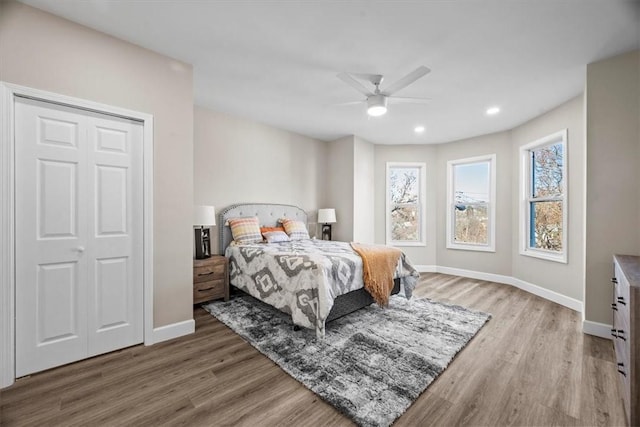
[[376, 105]]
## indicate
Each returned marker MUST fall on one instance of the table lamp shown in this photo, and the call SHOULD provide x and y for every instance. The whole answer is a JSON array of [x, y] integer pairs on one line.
[[203, 217], [326, 217]]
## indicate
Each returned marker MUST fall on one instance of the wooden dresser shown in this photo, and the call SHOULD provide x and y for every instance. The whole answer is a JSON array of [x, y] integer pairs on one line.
[[210, 279], [626, 322]]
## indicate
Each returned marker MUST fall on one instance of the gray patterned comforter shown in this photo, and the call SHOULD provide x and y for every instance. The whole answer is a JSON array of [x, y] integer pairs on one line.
[[304, 277]]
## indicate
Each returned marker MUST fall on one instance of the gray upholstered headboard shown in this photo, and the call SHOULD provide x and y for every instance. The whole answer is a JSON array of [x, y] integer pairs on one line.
[[267, 213]]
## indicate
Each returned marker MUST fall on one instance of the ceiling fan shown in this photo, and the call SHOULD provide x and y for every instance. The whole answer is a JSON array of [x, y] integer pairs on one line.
[[377, 99]]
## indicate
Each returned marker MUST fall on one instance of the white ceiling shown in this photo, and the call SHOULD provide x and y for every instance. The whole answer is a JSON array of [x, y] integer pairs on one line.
[[276, 61]]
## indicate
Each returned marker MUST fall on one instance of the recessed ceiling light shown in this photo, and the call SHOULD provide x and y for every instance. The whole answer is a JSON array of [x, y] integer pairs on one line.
[[492, 111], [419, 129]]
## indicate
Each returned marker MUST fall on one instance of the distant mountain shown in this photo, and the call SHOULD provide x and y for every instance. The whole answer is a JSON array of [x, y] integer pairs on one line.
[[463, 199]]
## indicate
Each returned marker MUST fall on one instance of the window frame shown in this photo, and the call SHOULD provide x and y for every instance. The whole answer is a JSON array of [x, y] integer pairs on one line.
[[526, 187], [422, 195], [490, 246]]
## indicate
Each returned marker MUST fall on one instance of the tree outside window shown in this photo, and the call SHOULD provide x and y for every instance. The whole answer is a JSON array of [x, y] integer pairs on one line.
[[544, 210], [405, 198]]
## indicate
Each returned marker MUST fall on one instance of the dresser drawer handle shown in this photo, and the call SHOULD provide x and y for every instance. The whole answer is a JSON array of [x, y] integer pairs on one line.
[[205, 290], [621, 334], [614, 280], [613, 333], [622, 372], [205, 274], [614, 306], [621, 301]]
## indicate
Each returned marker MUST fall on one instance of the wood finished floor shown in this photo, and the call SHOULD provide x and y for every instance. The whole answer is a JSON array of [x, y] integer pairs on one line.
[[530, 365]]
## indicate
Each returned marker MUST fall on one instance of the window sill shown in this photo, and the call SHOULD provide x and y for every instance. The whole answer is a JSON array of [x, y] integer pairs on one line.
[[547, 256], [475, 248], [400, 244]]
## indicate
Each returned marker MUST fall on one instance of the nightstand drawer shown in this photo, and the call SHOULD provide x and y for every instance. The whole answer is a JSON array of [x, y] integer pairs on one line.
[[204, 291], [208, 272]]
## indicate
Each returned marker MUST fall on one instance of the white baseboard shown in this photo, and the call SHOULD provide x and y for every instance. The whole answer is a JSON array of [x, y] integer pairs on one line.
[[174, 330], [601, 330], [479, 275], [425, 268], [547, 294]]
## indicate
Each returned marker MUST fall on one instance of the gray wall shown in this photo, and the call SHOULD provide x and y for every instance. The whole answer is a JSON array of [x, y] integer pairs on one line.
[[340, 180], [238, 161], [613, 177], [42, 51], [363, 194], [566, 279], [498, 262], [419, 255]]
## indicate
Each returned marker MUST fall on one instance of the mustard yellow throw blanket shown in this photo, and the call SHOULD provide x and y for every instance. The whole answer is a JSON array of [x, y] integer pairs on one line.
[[378, 264]]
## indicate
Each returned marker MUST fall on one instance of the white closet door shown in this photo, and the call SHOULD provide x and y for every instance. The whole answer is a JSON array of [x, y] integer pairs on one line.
[[78, 235], [115, 239]]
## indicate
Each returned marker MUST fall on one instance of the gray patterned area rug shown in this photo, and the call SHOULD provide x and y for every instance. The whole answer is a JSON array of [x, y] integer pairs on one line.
[[373, 363]]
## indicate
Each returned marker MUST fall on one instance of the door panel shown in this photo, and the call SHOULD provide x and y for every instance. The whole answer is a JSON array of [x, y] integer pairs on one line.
[[111, 284], [56, 302], [79, 231], [57, 132], [51, 327], [111, 200], [57, 194], [115, 156]]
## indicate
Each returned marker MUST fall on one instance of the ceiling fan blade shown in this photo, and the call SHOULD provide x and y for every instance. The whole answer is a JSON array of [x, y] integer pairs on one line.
[[410, 100], [407, 80], [350, 103], [374, 79], [345, 77]]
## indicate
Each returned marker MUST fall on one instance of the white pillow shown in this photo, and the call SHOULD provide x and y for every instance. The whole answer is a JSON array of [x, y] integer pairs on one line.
[[276, 236]]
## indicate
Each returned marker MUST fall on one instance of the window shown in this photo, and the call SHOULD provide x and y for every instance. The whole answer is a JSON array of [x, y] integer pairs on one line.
[[405, 204], [470, 203], [543, 189]]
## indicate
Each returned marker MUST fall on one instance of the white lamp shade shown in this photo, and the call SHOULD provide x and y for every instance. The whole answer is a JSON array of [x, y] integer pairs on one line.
[[204, 215], [326, 216]]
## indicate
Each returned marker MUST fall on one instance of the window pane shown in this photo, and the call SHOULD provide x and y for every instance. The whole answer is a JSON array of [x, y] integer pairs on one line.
[[546, 224], [403, 185], [471, 182], [546, 170], [404, 223], [471, 222]]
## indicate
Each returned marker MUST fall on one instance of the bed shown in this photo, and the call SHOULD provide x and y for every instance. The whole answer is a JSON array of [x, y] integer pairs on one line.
[[315, 281]]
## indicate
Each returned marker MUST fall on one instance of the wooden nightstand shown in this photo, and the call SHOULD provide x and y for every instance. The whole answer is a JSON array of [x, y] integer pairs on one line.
[[210, 279]]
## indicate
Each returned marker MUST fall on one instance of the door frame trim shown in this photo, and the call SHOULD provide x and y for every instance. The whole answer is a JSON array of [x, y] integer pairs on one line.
[[8, 93]]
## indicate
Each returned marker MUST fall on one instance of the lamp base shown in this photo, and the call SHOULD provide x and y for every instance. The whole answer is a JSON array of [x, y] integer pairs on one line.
[[203, 248], [326, 231]]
